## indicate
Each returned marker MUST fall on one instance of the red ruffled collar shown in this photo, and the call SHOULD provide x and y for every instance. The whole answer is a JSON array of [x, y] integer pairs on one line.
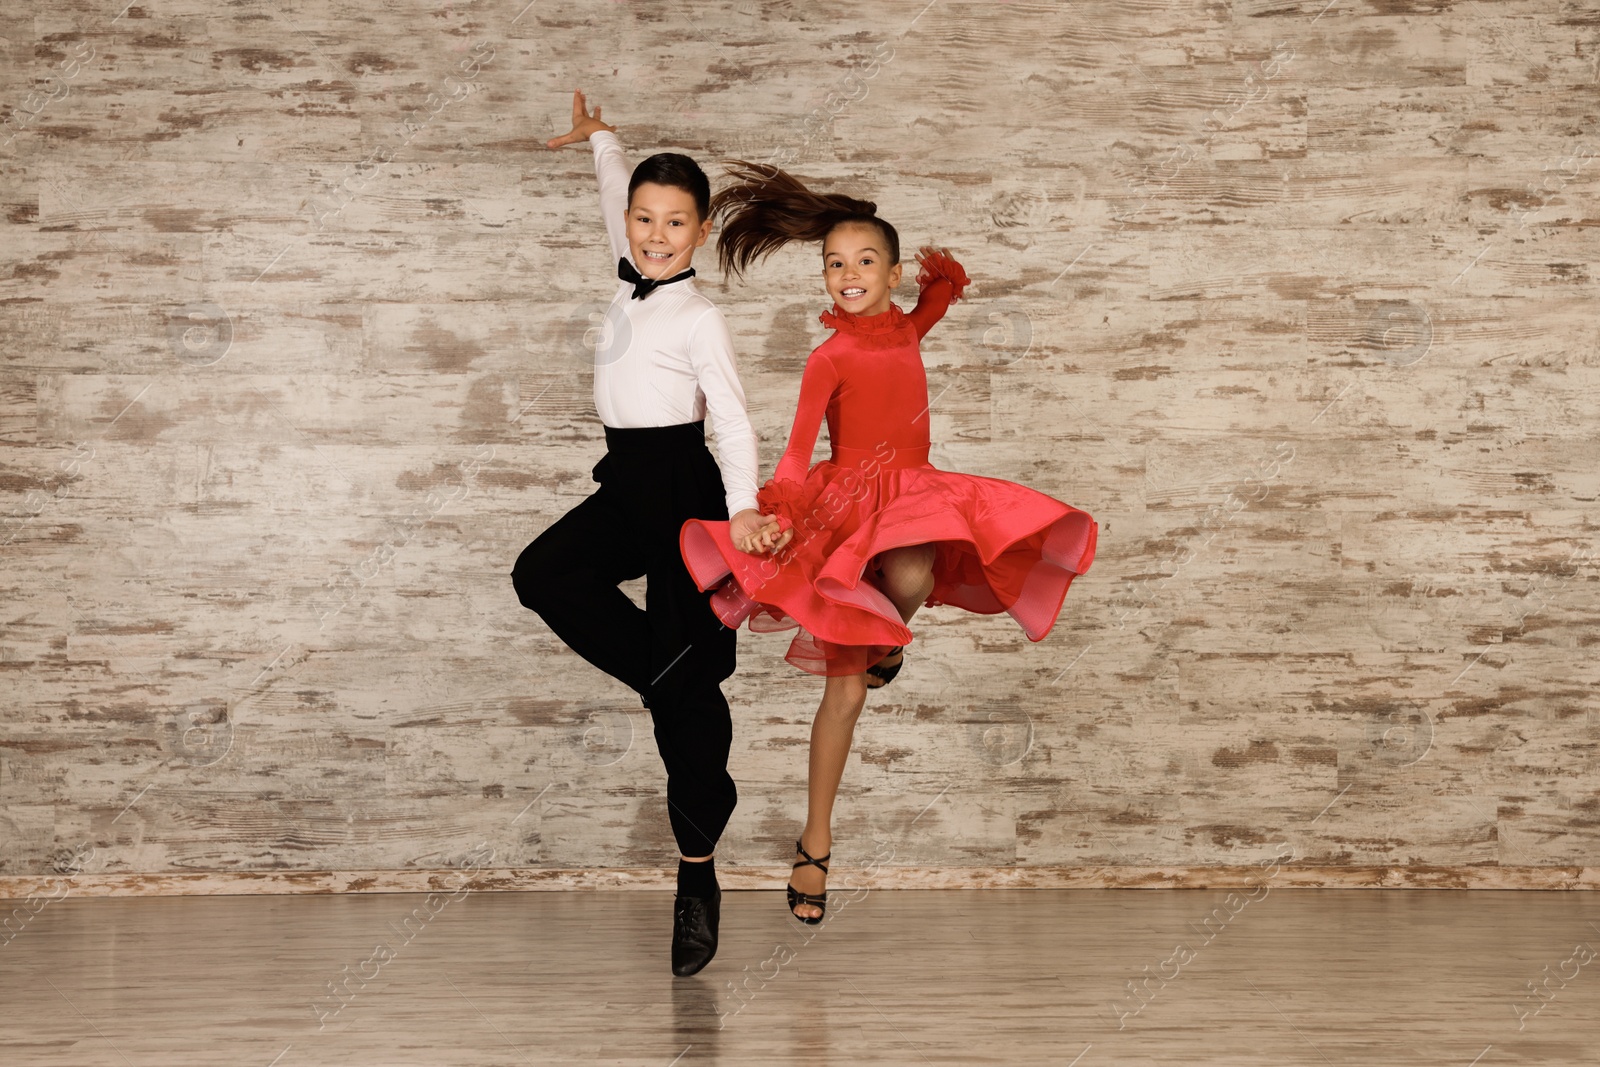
[[881, 324]]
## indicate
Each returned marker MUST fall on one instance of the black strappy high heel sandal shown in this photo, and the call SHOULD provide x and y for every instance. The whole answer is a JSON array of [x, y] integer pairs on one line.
[[878, 670], [816, 900]]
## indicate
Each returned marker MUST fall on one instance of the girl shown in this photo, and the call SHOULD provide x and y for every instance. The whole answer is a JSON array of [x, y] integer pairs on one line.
[[875, 531]]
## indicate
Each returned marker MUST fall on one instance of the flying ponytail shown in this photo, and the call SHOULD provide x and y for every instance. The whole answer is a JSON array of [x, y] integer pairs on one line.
[[767, 208]]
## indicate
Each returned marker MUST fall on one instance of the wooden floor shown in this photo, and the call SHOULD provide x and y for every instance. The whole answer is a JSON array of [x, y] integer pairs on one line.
[[946, 977]]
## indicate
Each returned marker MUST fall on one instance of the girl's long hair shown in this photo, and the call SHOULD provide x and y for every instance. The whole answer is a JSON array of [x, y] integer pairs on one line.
[[767, 208]]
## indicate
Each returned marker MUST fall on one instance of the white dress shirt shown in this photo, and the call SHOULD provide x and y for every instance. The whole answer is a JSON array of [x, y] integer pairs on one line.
[[668, 358]]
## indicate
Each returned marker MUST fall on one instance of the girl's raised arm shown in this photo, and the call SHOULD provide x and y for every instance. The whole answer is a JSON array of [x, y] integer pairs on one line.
[[942, 281]]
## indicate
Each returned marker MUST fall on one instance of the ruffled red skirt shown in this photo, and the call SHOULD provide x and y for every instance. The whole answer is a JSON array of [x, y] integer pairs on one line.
[[999, 546]]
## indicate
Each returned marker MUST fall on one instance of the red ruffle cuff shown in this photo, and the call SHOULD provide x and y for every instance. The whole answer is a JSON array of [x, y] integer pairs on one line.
[[937, 265]]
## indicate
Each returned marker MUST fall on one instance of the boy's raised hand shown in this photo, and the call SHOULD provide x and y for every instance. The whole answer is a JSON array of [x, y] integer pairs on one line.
[[583, 123]]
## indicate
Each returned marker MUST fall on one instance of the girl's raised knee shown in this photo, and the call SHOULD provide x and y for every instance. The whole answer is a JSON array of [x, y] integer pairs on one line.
[[906, 570]]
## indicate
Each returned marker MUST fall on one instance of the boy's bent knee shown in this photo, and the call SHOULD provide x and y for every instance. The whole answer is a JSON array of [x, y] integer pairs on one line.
[[528, 590], [536, 578]]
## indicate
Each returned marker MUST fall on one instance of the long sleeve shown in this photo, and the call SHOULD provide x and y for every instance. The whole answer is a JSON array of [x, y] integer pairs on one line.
[[942, 280], [817, 385], [711, 355], [612, 170], [932, 303]]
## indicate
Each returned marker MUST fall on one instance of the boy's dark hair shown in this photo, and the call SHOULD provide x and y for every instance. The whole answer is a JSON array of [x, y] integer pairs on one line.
[[767, 208], [678, 171]]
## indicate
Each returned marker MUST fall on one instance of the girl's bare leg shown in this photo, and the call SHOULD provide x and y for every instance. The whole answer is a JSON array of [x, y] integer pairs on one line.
[[906, 577], [831, 732]]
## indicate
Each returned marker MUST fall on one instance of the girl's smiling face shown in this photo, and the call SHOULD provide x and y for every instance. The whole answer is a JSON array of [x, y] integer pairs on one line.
[[664, 229], [856, 268]]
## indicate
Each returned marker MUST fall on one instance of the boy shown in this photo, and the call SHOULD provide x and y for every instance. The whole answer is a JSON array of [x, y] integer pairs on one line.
[[665, 365]]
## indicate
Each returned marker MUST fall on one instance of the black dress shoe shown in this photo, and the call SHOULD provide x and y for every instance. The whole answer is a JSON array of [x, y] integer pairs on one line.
[[694, 932]]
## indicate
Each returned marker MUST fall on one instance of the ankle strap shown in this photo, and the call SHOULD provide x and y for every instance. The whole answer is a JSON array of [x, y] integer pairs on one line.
[[820, 864]]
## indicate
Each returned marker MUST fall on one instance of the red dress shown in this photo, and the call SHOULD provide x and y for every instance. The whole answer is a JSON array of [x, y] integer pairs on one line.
[[999, 546]]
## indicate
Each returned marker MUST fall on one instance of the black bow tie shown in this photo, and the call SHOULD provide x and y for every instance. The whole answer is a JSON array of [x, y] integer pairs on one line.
[[642, 285]]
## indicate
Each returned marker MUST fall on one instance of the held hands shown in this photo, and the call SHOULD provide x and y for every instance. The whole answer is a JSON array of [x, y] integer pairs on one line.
[[583, 123], [756, 533]]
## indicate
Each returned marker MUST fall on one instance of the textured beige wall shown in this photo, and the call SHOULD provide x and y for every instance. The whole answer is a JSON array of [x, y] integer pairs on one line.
[[1297, 301]]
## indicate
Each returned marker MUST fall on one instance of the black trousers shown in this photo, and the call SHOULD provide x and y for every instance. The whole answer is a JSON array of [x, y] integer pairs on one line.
[[675, 652]]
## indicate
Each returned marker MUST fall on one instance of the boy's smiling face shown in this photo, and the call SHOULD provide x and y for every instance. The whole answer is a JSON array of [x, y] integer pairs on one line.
[[664, 229]]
